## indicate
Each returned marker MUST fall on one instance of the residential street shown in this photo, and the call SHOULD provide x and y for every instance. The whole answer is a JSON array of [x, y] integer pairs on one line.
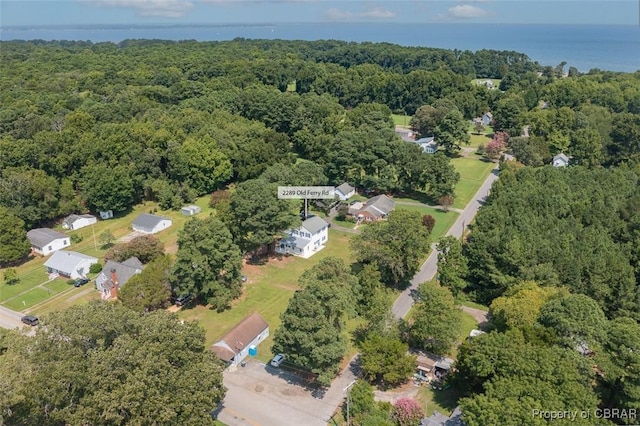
[[9, 319], [429, 267]]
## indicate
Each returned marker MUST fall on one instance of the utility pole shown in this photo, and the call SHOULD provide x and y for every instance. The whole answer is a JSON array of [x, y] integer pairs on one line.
[[347, 389]]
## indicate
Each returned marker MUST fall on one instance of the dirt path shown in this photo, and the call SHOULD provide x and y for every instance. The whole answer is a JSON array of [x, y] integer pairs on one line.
[[481, 317]]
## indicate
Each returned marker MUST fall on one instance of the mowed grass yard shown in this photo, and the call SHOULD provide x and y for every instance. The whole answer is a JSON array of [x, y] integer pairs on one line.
[[444, 220], [28, 292], [473, 173], [267, 291]]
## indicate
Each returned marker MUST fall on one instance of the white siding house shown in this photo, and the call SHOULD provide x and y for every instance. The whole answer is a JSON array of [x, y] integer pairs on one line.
[[305, 241], [345, 191], [242, 339], [69, 264], [45, 241], [560, 160], [150, 223], [77, 221]]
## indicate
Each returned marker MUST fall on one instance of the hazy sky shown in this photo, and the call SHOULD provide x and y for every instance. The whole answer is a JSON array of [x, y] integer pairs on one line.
[[72, 12]]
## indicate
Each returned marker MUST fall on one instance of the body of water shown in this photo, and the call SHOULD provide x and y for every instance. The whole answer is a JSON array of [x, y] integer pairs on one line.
[[607, 47]]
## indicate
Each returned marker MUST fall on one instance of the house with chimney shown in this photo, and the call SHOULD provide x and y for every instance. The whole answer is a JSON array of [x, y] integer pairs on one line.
[[115, 274]]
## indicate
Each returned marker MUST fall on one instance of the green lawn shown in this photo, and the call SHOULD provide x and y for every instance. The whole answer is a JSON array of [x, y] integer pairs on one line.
[[29, 299], [444, 401], [32, 273], [267, 291], [473, 173], [444, 220], [401, 120]]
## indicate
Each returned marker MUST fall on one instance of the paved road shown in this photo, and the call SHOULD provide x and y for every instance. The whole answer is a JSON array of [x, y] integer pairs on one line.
[[9, 319], [260, 395], [429, 268]]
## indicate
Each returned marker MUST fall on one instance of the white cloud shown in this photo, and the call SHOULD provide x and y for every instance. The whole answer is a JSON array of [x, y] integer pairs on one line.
[[150, 8], [335, 14], [466, 11], [378, 13]]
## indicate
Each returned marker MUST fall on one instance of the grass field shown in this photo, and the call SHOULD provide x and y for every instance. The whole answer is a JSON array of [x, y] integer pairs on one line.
[[32, 273], [401, 120], [444, 220], [473, 173], [267, 291]]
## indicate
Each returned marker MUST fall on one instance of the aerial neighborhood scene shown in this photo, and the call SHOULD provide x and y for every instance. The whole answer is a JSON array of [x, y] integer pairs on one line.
[[321, 224]]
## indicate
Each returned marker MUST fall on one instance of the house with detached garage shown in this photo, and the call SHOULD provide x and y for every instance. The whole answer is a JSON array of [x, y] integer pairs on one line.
[[306, 240], [45, 241], [345, 191], [376, 208], [242, 340], [115, 274], [150, 223], [77, 221], [69, 264]]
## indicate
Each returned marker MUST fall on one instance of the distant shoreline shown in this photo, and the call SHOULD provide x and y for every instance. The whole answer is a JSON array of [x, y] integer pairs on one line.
[[585, 47]]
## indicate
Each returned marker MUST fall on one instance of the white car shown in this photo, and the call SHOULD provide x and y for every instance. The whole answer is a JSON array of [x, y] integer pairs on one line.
[[277, 360]]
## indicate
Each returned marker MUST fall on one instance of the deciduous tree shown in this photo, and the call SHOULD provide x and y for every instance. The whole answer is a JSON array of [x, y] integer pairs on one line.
[[397, 245], [208, 264], [312, 330], [385, 361], [150, 290], [452, 265], [257, 215], [407, 411], [101, 363], [14, 244], [436, 321]]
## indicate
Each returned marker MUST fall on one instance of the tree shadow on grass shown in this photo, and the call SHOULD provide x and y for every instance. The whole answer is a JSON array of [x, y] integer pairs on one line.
[[447, 398], [420, 197]]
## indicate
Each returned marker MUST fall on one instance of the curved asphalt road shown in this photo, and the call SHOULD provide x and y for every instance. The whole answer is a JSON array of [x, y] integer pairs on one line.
[[10, 319], [429, 268]]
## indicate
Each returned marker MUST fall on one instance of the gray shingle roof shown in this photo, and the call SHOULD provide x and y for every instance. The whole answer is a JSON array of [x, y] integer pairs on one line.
[[314, 224], [124, 271], [379, 203], [73, 217], [67, 261], [345, 188], [145, 220], [41, 237]]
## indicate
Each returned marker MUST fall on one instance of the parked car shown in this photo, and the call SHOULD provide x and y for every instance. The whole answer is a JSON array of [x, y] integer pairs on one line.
[[183, 300], [80, 281], [277, 360], [29, 320]]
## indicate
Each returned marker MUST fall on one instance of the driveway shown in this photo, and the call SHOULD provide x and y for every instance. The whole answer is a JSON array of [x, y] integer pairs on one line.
[[260, 395]]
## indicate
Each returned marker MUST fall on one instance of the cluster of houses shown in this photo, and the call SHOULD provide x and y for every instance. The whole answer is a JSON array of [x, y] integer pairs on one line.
[[428, 144], [75, 265]]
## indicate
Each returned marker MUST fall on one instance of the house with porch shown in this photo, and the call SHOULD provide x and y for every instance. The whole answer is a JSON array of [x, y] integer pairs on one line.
[[69, 264], [306, 240], [428, 145], [242, 340], [45, 241]]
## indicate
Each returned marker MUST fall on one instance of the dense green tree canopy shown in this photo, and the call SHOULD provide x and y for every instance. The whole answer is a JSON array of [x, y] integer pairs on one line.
[[436, 320], [208, 264], [397, 245], [13, 237], [101, 363], [313, 325], [558, 227], [149, 290]]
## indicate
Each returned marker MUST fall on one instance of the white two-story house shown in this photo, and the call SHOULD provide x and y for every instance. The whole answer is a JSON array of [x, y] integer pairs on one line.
[[307, 240]]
